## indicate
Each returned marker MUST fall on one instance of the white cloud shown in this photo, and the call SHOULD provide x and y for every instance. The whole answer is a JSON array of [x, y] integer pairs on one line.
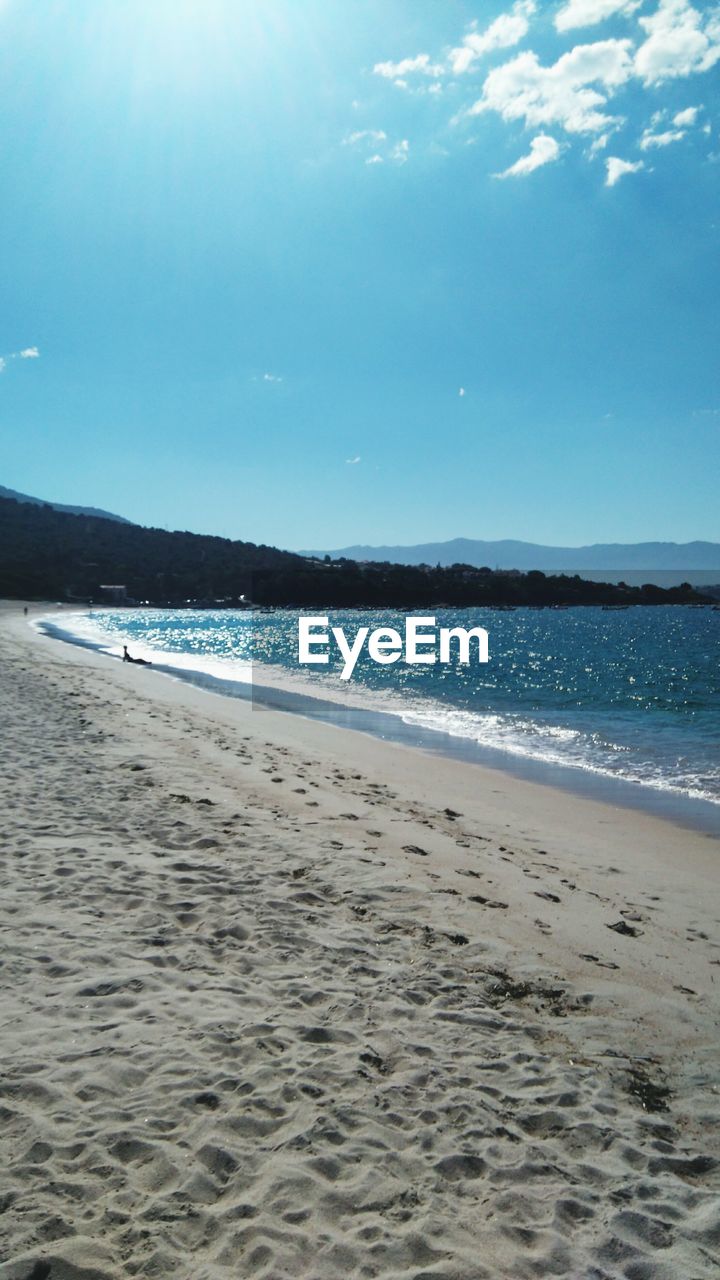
[[679, 42], [376, 140], [503, 33], [421, 65], [27, 353], [650, 139], [616, 169], [461, 392], [543, 150], [586, 13], [577, 93], [364, 135], [561, 94], [272, 377], [686, 118], [398, 153], [352, 462]]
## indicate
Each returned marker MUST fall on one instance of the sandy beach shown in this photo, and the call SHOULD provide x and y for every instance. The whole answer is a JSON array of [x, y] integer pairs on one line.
[[282, 1000]]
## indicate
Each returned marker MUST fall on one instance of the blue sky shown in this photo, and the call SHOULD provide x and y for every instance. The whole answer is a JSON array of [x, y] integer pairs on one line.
[[316, 272]]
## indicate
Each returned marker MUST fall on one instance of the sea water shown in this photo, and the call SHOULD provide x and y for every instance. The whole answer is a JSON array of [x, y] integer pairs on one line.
[[631, 694]]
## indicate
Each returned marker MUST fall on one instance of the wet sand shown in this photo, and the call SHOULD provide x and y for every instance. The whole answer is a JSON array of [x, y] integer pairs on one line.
[[281, 1000]]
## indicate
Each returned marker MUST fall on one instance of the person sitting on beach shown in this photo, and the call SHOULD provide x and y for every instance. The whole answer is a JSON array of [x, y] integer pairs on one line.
[[141, 662]]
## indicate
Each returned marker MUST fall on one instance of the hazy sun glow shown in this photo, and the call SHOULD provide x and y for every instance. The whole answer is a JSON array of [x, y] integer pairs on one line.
[[184, 45]]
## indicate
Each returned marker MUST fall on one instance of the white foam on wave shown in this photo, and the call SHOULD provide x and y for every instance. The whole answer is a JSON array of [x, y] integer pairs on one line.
[[531, 740]]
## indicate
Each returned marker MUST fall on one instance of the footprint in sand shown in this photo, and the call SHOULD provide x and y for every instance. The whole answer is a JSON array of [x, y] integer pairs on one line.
[[627, 930], [603, 964]]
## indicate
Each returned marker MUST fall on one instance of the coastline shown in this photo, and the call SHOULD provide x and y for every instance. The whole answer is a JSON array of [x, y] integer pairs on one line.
[[350, 712], [393, 977]]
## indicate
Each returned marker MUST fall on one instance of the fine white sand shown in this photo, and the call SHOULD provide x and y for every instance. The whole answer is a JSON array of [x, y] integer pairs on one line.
[[281, 1000]]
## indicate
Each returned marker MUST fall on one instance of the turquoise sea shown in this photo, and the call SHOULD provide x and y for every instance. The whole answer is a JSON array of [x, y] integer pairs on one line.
[[632, 695]]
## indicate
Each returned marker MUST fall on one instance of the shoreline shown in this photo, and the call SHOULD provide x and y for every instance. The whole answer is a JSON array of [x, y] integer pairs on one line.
[[541, 812], [288, 1001], [686, 811]]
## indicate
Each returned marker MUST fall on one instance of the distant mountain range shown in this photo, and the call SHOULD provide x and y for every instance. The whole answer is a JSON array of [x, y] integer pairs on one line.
[[61, 506], [664, 563], [509, 554], [55, 555]]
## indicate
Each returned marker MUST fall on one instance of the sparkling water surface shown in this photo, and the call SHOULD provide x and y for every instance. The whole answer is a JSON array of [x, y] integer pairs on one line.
[[633, 694]]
